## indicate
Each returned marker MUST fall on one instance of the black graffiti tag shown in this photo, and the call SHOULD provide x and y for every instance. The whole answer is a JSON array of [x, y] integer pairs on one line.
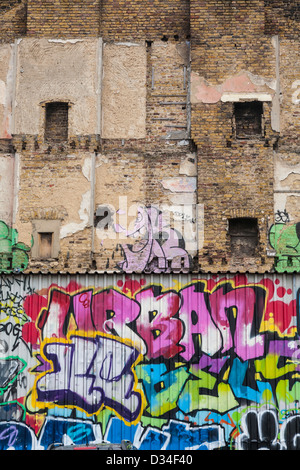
[[260, 431]]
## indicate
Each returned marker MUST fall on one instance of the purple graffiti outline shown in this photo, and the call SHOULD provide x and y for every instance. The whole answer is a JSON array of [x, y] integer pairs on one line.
[[69, 397]]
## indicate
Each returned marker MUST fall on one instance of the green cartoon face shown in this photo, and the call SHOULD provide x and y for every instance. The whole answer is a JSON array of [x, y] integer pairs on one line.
[[13, 254], [285, 239]]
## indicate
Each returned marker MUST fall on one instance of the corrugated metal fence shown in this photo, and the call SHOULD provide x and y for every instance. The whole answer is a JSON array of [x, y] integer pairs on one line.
[[169, 362]]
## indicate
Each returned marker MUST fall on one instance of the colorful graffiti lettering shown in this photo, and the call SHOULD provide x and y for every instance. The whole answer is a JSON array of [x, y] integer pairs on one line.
[[13, 254], [92, 365], [160, 249], [211, 363]]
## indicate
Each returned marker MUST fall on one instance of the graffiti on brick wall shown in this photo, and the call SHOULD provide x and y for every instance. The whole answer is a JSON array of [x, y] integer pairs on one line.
[[159, 249], [13, 254], [284, 238], [213, 363], [296, 93]]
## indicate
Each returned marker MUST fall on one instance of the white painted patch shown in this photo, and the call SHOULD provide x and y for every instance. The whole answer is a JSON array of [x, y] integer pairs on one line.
[[64, 41], [234, 97], [2, 92], [84, 214], [296, 94], [86, 168], [188, 166], [128, 44], [180, 185]]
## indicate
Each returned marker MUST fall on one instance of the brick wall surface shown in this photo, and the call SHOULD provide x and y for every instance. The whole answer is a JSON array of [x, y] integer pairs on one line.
[[149, 20], [223, 43], [13, 19], [227, 39], [67, 18], [56, 125]]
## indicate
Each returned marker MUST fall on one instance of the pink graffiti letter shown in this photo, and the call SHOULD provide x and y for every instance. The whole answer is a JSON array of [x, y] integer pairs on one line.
[[156, 323], [238, 313], [112, 311], [82, 308], [195, 315]]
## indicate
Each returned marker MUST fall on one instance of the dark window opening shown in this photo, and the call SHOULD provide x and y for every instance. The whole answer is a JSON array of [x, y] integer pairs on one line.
[[45, 241], [56, 125], [243, 236], [248, 119]]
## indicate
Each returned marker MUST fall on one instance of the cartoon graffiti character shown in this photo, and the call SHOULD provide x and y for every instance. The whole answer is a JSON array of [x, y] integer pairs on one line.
[[285, 239], [160, 247], [13, 254]]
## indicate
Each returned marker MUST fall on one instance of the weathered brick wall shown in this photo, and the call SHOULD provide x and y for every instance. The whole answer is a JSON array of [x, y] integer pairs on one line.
[[235, 177], [52, 188], [234, 57], [67, 18], [113, 20], [282, 17], [13, 19], [140, 19]]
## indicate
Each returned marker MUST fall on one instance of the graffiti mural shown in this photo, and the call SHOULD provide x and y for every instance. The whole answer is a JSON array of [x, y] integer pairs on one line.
[[284, 238], [159, 249], [169, 363], [13, 254]]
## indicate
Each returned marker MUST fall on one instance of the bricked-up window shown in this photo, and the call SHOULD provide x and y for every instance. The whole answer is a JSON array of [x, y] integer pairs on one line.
[[45, 240], [243, 236], [248, 119], [56, 122]]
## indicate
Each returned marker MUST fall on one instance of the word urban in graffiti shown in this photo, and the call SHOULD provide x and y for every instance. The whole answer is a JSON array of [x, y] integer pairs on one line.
[[13, 254], [166, 323], [160, 248]]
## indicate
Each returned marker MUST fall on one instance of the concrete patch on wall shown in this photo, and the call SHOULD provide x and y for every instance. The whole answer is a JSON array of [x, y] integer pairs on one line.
[[180, 184], [84, 214], [168, 90], [57, 71], [245, 83], [286, 185], [6, 188], [296, 93], [67, 197], [181, 210], [124, 91], [6, 90], [290, 88], [188, 166]]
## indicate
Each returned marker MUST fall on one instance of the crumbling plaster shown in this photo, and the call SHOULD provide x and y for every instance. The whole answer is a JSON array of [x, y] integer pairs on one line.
[[286, 184], [6, 188], [49, 70], [6, 89], [67, 197], [124, 91]]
